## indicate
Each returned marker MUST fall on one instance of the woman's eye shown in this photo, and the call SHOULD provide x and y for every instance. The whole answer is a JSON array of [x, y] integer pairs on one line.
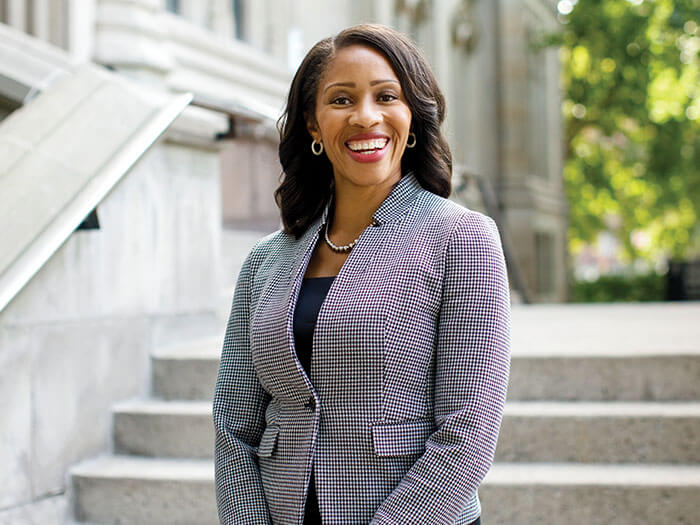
[[340, 100], [387, 97]]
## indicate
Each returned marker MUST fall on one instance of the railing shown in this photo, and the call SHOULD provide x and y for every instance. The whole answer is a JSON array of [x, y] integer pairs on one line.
[[59, 158], [493, 209]]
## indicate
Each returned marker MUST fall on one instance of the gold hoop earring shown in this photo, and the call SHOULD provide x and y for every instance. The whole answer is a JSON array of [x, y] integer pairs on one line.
[[315, 151], [411, 144]]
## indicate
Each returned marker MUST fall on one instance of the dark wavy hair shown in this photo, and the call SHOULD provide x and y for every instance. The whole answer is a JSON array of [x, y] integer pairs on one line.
[[307, 180]]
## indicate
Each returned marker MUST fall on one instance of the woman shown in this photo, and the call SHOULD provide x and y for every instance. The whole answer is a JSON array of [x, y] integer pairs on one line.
[[365, 363]]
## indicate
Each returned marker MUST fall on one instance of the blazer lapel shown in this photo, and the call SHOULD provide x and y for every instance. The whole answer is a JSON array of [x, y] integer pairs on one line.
[[272, 333], [297, 270]]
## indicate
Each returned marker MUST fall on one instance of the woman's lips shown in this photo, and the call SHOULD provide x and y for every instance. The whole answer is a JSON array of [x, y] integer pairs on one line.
[[368, 156]]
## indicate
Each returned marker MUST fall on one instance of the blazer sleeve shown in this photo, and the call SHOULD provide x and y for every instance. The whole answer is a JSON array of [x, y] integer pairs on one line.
[[471, 378], [239, 417]]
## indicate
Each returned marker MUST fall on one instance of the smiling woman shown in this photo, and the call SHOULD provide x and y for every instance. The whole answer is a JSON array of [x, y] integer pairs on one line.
[[364, 369]]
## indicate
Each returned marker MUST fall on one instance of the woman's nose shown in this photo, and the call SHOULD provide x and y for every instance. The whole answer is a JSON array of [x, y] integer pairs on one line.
[[366, 114]]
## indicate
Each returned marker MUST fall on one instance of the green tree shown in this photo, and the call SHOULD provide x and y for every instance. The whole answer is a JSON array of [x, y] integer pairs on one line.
[[632, 107]]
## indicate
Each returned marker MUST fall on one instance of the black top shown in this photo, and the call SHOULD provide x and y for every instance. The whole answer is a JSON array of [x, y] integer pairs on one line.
[[311, 295]]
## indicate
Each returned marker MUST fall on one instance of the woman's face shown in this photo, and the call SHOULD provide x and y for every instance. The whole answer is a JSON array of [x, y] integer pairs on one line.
[[362, 118]]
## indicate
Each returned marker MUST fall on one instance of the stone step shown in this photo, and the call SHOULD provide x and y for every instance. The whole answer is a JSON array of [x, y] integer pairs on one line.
[[189, 373], [531, 431], [629, 352], [148, 491], [179, 429], [599, 352], [603, 432], [524, 493], [186, 372], [610, 377], [122, 489]]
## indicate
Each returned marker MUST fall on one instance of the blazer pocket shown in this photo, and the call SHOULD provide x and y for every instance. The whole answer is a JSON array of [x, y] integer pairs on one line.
[[401, 439], [268, 441]]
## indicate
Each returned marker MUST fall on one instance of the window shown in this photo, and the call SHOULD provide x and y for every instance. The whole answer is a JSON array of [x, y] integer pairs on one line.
[[544, 249], [537, 108], [173, 6], [237, 8]]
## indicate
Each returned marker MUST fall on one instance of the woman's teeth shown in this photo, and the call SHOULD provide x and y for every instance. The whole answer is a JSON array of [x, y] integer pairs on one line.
[[367, 147]]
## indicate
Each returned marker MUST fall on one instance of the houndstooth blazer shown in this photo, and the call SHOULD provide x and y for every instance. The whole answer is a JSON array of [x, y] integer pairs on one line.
[[401, 414]]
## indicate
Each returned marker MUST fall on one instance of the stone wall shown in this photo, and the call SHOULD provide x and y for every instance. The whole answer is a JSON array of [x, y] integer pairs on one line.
[[250, 174], [530, 183], [77, 338]]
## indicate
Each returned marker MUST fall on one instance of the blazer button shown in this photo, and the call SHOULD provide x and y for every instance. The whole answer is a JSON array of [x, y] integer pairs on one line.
[[311, 404]]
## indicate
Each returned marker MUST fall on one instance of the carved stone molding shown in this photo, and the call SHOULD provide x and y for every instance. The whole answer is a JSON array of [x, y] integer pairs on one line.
[[415, 10], [464, 27]]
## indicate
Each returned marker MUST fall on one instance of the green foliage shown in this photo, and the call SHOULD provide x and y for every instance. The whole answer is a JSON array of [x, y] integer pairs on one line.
[[631, 76], [620, 288]]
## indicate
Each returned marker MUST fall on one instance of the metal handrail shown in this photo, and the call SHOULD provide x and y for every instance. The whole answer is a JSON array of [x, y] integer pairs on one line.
[[493, 209]]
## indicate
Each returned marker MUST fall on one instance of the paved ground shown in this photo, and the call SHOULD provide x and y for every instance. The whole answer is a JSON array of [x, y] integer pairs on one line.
[[606, 329]]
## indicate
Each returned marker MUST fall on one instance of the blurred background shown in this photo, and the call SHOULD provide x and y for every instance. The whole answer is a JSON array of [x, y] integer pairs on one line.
[[138, 160], [631, 105]]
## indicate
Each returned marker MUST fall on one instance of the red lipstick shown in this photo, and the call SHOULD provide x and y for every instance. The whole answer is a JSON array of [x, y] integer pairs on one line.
[[371, 153]]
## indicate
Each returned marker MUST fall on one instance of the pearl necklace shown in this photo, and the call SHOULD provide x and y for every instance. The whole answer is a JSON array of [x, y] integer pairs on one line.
[[338, 249]]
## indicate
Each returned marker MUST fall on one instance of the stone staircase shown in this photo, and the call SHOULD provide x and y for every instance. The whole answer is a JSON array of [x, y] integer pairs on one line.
[[602, 423], [162, 469], [602, 426]]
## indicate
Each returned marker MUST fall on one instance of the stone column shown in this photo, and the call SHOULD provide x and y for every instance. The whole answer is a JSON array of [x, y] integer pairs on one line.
[[384, 11], [443, 12], [130, 38], [41, 20], [80, 40], [531, 188], [221, 18], [196, 11], [17, 14], [58, 14]]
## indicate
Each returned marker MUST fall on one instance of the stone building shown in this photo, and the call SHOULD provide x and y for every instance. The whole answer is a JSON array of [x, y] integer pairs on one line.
[[502, 91], [503, 103], [83, 303]]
